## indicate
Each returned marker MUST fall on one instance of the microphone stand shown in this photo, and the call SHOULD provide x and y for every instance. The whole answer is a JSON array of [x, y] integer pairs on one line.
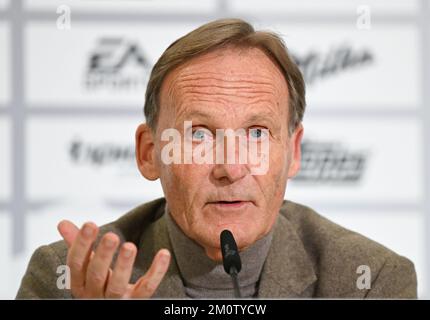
[[233, 274]]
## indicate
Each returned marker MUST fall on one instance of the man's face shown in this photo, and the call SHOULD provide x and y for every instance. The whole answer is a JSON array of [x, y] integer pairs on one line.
[[227, 89]]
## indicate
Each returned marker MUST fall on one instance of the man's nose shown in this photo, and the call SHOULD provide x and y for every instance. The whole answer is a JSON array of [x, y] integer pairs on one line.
[[232, 172], [231, 165]]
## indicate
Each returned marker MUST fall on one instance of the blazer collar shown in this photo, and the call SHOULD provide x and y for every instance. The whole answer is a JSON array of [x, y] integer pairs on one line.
[[287, 272]]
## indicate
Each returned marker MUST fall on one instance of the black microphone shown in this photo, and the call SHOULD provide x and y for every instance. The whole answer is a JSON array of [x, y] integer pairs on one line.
[[231, 259]]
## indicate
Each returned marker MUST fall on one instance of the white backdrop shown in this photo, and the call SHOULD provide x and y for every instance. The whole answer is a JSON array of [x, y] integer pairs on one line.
[[67, 129]]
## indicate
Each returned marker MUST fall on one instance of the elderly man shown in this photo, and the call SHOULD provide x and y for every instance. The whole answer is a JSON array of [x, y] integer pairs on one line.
[[223, 75]]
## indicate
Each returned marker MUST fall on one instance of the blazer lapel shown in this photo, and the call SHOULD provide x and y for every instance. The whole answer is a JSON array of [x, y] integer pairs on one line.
[[288, 271]]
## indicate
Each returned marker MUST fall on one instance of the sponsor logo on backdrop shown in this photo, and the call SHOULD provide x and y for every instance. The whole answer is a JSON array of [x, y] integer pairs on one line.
[[117, 64], [317, 65], [330, 162], [86, 153]]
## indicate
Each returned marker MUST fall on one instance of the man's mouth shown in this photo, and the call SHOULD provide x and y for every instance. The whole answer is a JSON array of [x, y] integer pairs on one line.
[[235, 204]]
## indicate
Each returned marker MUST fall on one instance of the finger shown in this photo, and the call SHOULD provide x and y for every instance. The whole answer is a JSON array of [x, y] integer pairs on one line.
[[147, 285], [118, 282], [68, 231], [98, 268], [79, 255]]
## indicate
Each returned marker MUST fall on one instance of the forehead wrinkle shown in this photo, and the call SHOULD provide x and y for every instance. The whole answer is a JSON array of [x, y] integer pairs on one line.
[[228, 80], [223, 108], [236, 97], [191, 113], [205, 84], [220, 101], [227, 95], [253, 102]]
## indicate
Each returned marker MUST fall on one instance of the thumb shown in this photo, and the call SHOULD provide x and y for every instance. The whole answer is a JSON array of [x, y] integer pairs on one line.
[[68, 231], [148, 284]]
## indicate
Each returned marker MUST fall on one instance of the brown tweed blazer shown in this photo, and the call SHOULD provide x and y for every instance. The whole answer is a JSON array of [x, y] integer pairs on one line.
[[310, 256]]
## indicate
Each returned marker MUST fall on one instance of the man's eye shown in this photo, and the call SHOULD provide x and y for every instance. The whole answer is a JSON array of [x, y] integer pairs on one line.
[[258, 133], [201, 134]]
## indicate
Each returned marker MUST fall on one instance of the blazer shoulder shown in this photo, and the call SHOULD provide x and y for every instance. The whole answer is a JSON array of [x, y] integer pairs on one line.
[[42, 275], [339, 256]]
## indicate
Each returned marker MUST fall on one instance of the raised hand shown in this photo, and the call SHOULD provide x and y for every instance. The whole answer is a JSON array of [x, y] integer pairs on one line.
[[91, 275]]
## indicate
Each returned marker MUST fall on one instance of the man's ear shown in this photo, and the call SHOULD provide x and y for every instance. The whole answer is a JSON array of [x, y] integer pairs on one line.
[[145, 152], [296, 151]]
